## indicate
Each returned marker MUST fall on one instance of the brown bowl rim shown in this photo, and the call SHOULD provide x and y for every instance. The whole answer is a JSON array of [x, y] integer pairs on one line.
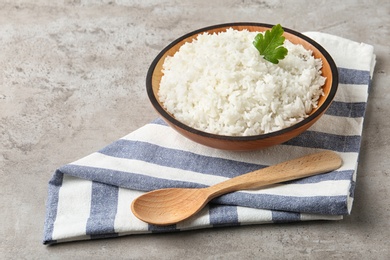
[[172, 120]]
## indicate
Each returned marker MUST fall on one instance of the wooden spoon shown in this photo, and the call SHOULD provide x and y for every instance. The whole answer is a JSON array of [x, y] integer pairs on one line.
[[169, 206]]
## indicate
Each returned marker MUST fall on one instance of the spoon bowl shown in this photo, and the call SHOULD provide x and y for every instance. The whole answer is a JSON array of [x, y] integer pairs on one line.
[[172, 205], [183, 203]]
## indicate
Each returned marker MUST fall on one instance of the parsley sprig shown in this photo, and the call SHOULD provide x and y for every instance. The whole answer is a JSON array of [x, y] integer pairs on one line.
[[270, 44]]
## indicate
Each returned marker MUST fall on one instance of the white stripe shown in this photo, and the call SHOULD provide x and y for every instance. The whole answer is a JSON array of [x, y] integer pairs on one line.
[[331, 125], [349, 161], [74, 205], [200, 220], [351, 93], [307, 217], [346, 53], [249, 216], [124, 219], [349, 204]]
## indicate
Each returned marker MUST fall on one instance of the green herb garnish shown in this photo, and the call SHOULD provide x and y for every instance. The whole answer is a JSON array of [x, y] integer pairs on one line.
[[270, 45]]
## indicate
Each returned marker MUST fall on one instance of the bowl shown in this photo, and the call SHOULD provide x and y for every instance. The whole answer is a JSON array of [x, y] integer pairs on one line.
[[242, 143]]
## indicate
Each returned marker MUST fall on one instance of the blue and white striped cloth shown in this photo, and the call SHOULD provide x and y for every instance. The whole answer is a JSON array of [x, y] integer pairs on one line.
[[90, 198]]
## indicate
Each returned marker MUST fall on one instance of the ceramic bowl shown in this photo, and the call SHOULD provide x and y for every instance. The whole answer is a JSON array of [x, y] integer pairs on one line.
[[329, 71]]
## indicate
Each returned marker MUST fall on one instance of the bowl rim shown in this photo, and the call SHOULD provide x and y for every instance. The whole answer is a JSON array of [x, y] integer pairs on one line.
[[177, 123]]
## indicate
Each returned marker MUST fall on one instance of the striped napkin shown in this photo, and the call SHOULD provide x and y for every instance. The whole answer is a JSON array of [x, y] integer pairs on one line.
[[90, 198]]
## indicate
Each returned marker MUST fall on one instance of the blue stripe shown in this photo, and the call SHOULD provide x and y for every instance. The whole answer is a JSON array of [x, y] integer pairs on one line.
[[101, 236], [146, 183], [328, 205], [210, 165], [340, 143], [352, 76], [343, 109], [223, 215], [162, 229], [309, 139], [151, 153], [159, 121], [51, 207], [330, 176], [217, 166], [285, 217], [127, 180], [104, 201], [352, 189]]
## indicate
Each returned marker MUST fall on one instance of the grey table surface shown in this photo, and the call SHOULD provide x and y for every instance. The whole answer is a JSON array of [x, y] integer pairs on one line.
[[72, 80]]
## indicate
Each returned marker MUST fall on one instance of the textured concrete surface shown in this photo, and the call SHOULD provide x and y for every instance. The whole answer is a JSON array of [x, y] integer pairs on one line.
[[72, 81]]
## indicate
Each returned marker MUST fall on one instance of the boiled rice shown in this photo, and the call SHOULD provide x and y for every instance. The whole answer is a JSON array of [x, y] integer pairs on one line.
[[220, 84]]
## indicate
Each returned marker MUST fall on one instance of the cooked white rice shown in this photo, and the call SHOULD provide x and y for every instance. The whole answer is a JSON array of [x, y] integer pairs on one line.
[[220, 84]]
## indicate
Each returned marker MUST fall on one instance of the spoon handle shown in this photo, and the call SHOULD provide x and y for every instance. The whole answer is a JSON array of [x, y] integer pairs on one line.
[[289, 170]]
